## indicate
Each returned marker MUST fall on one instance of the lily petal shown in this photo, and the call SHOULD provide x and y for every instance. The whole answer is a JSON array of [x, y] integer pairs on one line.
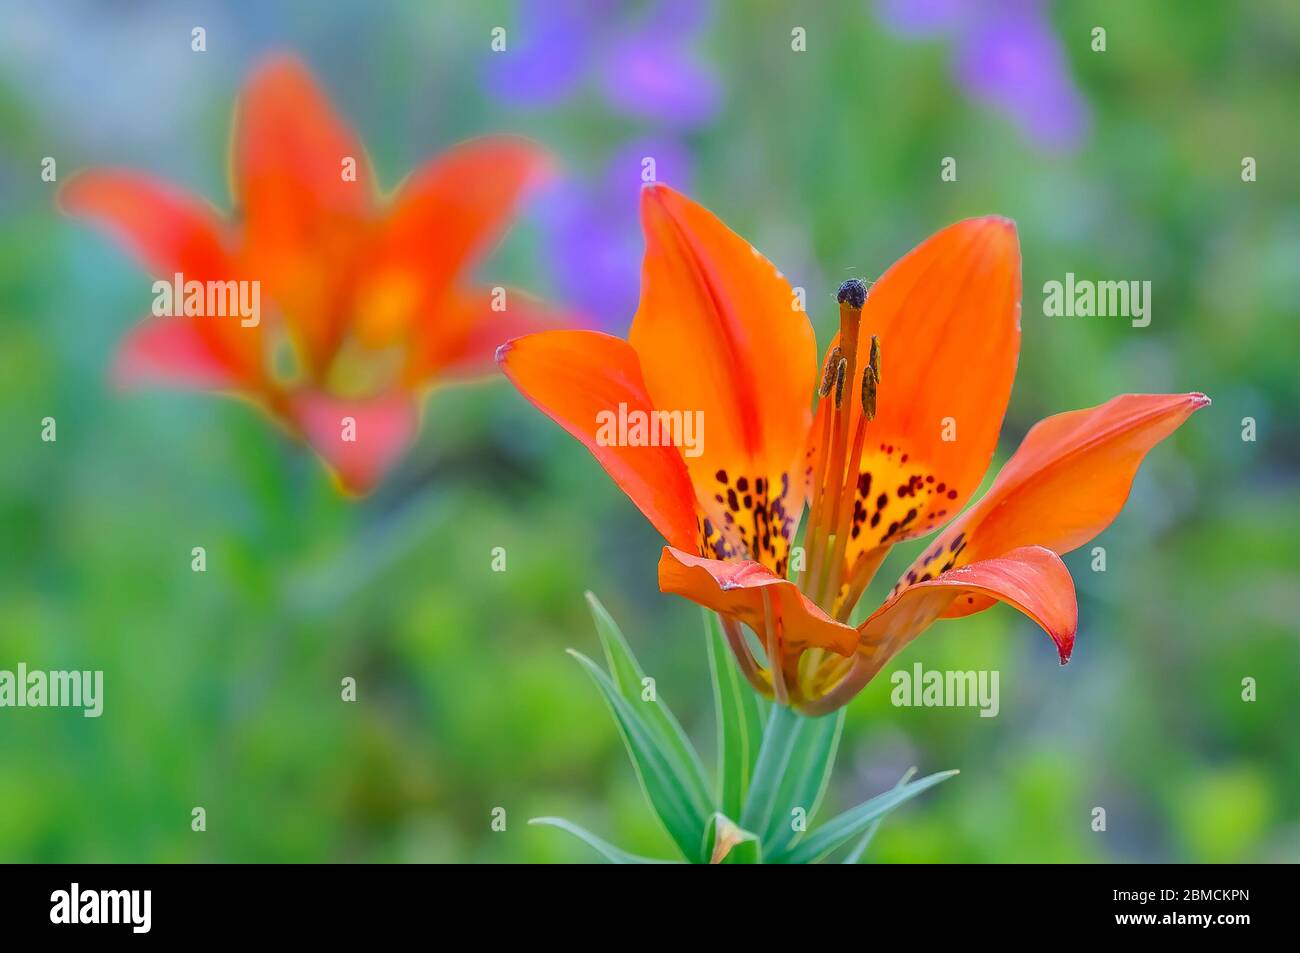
[[359, 439], [1031, 579], [445, 217], [719, 332], [735, 589], [1065, 484], [461, 338], [167, 228], [171, 232], [585, 381], [305, 219], [947, 315], [172, 353]]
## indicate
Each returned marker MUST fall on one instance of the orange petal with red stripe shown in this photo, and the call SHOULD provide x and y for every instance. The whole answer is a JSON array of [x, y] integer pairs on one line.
[[720, 332], [735, 589], [587, 382]]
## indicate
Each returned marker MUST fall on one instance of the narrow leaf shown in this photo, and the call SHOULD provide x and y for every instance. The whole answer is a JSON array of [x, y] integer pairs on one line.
[[842, 829], [861, 848], [676, 803], [739, 717], [615, 855], [805, 780], [628, 676], [773, 758]]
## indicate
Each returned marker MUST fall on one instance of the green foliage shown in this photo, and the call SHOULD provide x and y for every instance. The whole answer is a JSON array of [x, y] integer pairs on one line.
[[789, 776], [738, 711]]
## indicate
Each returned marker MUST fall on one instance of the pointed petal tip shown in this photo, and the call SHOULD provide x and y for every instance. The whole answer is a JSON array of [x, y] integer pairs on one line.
[[656, 194], [502, 350], [1199, 399], [994, 224], [279, 63]]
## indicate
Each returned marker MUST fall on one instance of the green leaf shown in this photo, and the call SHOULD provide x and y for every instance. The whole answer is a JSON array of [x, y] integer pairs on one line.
[[740, 719], [676, 802], [628, 676], [842, 829], [804, 783], [615, 855], [779, 740], [727, 843], [861, 848]]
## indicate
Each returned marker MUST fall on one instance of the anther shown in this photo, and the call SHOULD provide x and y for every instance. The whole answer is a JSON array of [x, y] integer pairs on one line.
[[828, 375], [840, 371], [869, 392], [875, 356]]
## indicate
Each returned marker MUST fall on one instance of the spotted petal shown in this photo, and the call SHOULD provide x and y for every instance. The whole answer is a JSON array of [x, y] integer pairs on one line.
[[1065, 484]]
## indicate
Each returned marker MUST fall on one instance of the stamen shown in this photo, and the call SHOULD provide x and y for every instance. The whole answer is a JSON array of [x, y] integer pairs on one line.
[[869, 394], [829, 372], [844, 517], [833, 477], [852, 296], [815, 508]]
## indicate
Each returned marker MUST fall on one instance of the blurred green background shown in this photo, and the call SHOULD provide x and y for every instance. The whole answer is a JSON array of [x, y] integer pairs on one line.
[[223, 688]]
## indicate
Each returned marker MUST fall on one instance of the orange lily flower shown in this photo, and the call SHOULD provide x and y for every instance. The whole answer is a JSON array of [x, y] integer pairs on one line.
[[368, 300], [890, 454]]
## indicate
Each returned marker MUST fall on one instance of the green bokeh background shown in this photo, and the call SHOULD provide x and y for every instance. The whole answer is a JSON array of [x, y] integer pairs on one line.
[[223, 688]]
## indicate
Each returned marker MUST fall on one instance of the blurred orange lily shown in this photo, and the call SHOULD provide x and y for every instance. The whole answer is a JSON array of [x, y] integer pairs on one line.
[[369, 302], [889, 455]]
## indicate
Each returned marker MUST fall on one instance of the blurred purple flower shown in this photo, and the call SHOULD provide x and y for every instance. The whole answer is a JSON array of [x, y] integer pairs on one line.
[[641, 64], [1006, 55], [593, 233]]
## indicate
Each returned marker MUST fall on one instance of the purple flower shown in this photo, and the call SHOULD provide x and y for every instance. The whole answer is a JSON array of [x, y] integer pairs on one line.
[[1006, 55], [593, 235], [641, 64]]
